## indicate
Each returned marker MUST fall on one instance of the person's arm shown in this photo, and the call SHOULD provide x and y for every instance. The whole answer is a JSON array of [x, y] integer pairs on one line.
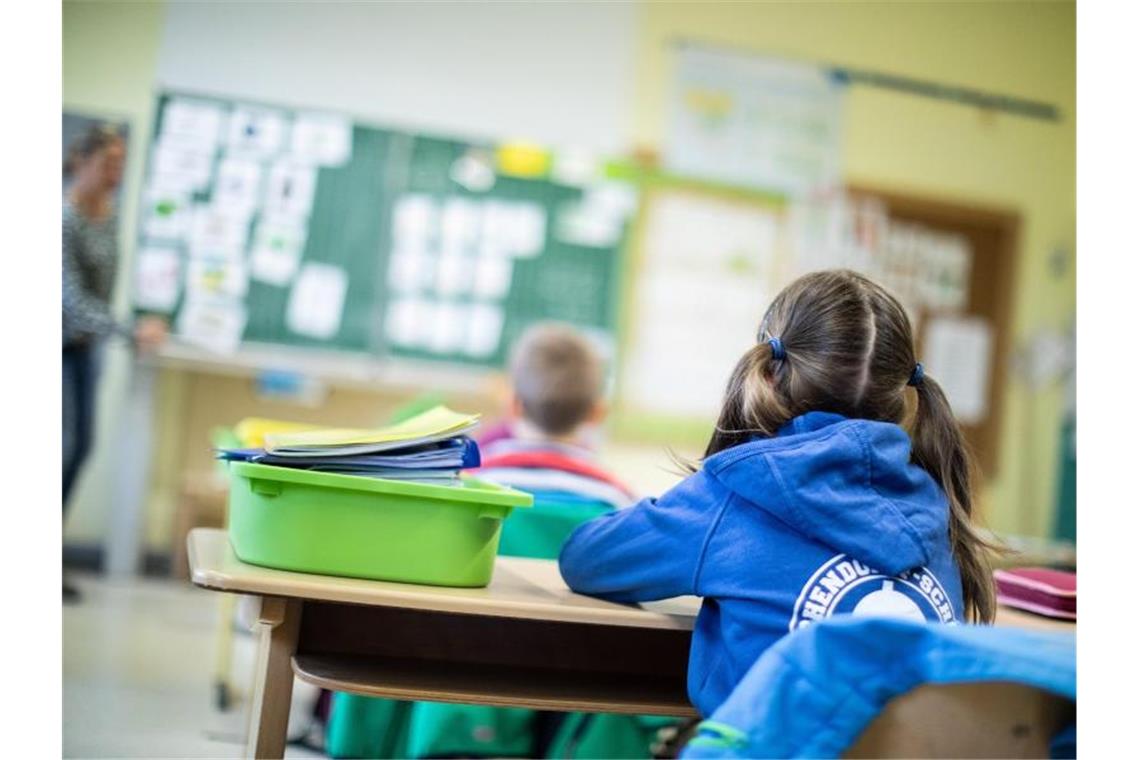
[[652, 550], [84, 312]]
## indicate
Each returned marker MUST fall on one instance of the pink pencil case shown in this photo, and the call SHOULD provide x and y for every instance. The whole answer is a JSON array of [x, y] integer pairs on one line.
[[1038, 589]]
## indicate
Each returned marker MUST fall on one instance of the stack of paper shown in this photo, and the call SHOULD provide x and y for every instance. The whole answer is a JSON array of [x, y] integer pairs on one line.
[[429, 448]]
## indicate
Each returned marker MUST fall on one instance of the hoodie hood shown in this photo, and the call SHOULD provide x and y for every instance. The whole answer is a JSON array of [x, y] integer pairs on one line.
[[847, 483]]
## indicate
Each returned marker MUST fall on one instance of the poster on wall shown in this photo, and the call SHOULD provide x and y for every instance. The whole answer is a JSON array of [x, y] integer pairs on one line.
[[754, 121], [703, 256]]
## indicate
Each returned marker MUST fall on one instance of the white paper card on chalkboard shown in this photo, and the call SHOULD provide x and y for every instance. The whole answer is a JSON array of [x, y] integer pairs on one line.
[[448, 328], [256, 132], [167, 213], [217, 277], [238, 185], [409, 322], [460, 226], [513, 229], [179, 166], [410, 271], [289, 189], [529, 230], [583, 224], [215, 324], [484, 330], [191, 121], [453, 275], [321, 139], [316, 302], [277, 248], [215, 233], [956, 352], [158, 279], [413, 217], [492, 277], [576, 167]]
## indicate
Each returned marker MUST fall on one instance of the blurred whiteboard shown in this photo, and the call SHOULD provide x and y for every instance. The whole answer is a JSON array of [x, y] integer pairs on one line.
[[754, 121], [702, 288]]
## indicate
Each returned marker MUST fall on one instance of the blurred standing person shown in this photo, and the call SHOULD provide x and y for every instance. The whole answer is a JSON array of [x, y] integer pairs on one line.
[[93, 170]]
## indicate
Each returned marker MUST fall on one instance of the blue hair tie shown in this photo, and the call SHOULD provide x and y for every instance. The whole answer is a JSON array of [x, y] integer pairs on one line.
[[778, 352], [917, 375]]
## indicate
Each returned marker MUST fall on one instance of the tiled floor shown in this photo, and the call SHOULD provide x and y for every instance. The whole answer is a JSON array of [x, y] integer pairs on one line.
[[138, 662]]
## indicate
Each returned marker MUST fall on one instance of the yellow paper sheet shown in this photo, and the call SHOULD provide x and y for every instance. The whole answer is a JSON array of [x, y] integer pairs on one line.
[[434, 422]]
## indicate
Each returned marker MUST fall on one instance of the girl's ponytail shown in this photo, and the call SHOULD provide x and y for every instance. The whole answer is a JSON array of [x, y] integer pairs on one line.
[[939, 448], [751, 405]]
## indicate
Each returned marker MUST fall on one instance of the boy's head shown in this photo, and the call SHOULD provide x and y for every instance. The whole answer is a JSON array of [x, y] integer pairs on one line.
[[557, 379]]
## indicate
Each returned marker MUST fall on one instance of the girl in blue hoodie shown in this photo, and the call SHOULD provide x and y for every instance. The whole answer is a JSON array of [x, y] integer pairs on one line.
[[836, 481]]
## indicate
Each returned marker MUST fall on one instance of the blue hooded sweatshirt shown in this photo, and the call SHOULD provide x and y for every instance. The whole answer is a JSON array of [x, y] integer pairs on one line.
[[827, 517]]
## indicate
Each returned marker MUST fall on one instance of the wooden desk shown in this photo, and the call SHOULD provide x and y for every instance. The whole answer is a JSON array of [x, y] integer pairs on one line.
[[525, 640]]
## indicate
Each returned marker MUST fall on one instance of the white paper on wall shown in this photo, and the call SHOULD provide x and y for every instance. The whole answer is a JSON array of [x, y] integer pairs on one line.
[[180, 166], [216, 277], [708, 257], [167, 213], [411, 271], [754, 120], [577, 167], [238, 185], [957, 353], [256, 132], [316, 302], [289, 189], [492, 277], [158, 278], [217, 233], [513, 228], [581, 224], [413, 218], [409, 322], [215, 324], [321, 139], [454, 274], [460, 225], [448, 328], [193, 122], [484, 330], [277, 248], [473, 171]]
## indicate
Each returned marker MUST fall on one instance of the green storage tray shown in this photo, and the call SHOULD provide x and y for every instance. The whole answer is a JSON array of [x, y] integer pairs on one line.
[[318, 522]]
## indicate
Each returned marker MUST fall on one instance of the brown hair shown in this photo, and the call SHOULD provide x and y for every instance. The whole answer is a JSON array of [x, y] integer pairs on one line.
[[557, 377], [848, 348], [93, 139]]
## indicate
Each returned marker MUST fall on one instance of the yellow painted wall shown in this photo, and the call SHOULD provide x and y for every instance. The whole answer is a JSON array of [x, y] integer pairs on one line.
[[936, 149], [110, 50]]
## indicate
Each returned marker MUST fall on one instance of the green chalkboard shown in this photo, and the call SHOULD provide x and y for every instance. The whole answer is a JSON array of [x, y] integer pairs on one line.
[[441, 285]]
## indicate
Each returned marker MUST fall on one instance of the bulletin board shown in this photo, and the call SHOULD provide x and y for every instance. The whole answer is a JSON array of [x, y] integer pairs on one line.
[[271, 225], [950, 264], [976, 329]]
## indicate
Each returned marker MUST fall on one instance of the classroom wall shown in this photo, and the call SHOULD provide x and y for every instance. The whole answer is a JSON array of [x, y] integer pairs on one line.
[[614, 96], [556, 73], [109, 55], [938, 149]]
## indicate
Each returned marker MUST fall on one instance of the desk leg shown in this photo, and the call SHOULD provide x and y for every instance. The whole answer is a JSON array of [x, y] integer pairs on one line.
[[278, 624]]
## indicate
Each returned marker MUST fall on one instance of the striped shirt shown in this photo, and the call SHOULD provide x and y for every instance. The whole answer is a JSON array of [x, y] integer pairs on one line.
[[90, 262]]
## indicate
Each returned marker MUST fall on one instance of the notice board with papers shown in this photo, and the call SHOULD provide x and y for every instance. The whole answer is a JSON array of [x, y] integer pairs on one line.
[[272, 225]]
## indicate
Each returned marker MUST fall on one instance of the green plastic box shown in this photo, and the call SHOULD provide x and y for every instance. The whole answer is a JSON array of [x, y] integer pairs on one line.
[[318, 522]]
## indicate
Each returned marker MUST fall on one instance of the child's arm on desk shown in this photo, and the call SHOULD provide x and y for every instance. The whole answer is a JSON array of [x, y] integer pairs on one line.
[[652, 550]]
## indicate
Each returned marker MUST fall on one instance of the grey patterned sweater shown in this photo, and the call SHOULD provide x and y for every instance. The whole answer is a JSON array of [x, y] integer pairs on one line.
[[90, 261]]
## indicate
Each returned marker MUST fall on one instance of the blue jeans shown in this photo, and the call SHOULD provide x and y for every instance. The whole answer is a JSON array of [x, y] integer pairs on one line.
[[80, 377]]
